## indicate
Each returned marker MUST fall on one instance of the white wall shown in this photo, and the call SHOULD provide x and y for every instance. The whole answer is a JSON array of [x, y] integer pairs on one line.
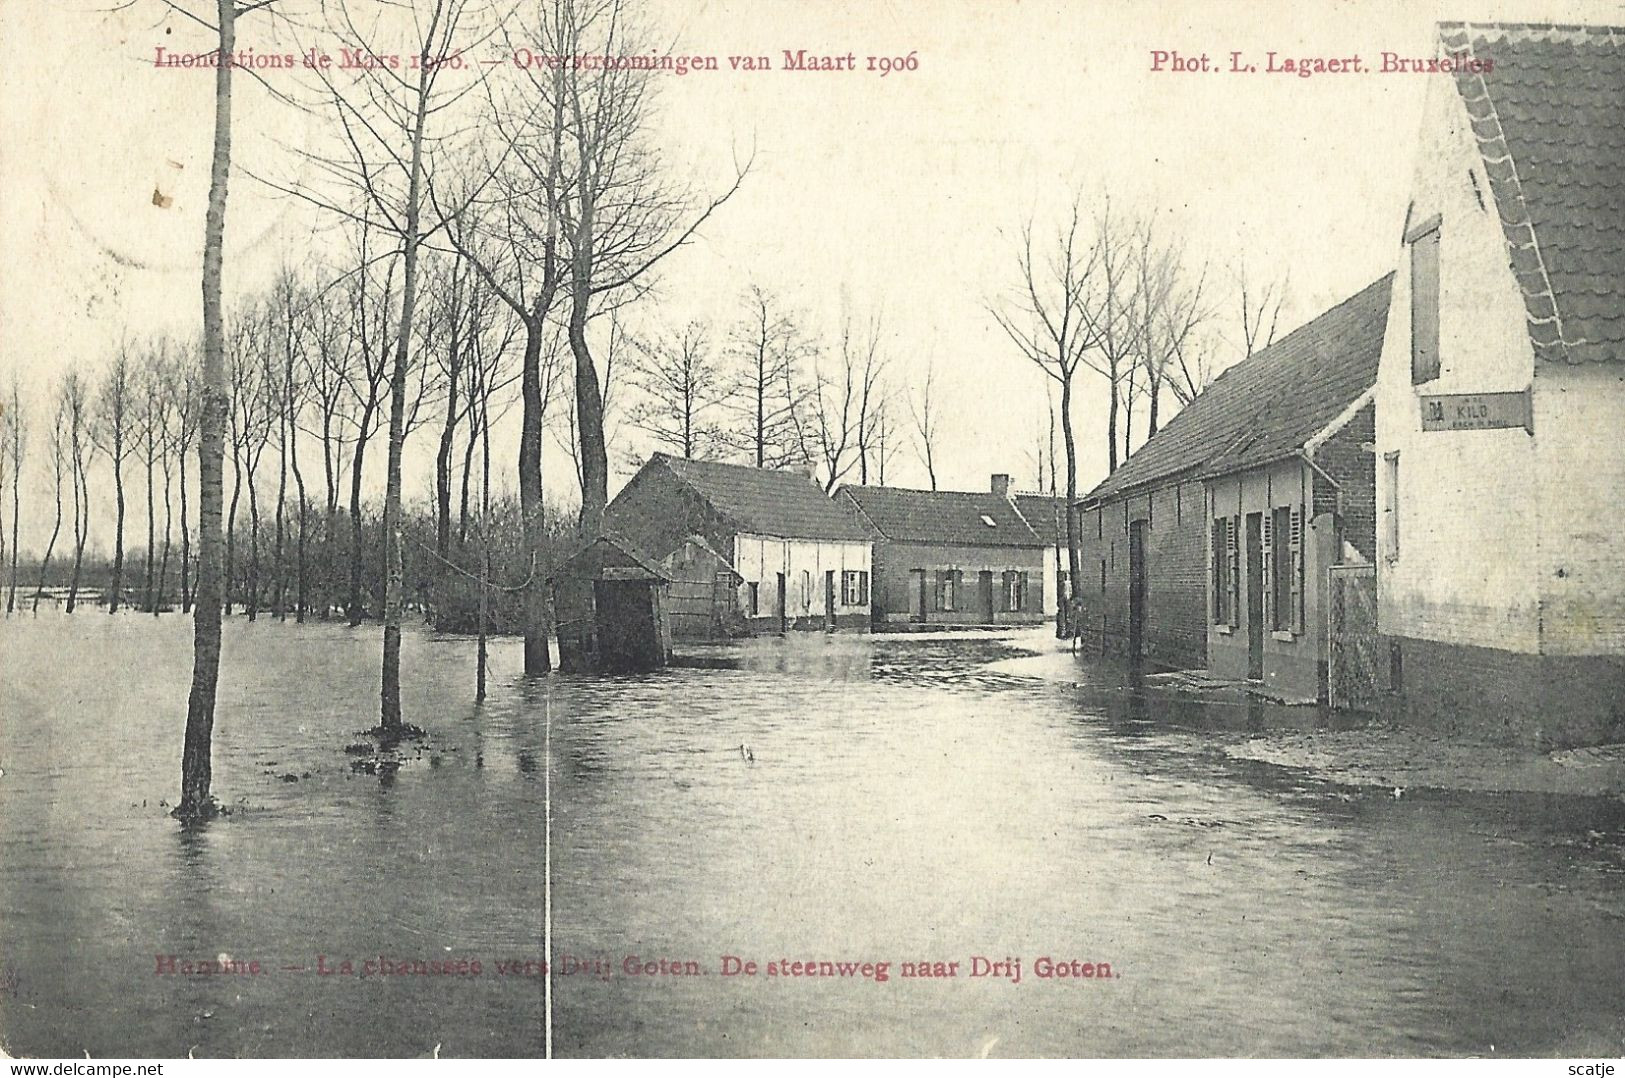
[[1465, 570], [1580, 457], [760, 559]]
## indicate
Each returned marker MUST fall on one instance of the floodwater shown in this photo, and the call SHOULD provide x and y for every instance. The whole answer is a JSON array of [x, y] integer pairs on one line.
[[903, 803]]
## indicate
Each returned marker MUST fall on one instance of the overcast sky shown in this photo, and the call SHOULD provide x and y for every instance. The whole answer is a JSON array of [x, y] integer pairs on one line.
[[893, 194]]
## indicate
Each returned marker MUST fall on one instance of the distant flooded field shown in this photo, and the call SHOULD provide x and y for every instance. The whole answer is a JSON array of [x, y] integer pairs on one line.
[[745, 854]]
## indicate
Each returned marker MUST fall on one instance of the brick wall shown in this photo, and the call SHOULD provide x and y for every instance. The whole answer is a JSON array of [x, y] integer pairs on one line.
[[1176, 575], [895, 562], [1344, 458]]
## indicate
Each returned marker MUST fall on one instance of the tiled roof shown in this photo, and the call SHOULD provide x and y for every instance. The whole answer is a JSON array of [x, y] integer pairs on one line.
[[1269, 404], [1045, 515], [764, 501], [956, 517], [1549, 118]]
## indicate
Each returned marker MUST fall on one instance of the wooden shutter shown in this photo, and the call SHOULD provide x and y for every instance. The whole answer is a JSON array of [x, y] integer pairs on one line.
[[1026, 591], [863, 588], [1425, 307], [1232, 533], [1297, 568], [1268, 572], [1218, 555]]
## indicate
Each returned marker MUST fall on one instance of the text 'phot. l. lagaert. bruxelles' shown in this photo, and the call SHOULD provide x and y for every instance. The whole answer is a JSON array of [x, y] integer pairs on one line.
[[1238, 62]]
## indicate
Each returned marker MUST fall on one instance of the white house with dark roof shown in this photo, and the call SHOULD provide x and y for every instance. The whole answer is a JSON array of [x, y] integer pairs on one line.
[[1501, 399], [798, 559], [952, 557]]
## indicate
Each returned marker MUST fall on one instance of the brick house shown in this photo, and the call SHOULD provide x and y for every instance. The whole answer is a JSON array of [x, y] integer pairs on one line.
[[1208, 547], [1501, 479], [802, 560], [951, 557]]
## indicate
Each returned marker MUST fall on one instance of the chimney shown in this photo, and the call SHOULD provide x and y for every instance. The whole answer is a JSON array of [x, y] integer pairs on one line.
[[1001, 484]]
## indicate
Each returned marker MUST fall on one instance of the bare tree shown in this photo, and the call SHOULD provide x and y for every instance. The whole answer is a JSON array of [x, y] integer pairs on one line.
[[14, 435], [1109, 310], [196, 769], [1044, 318], [768, 345], [679, 381], [620, 215], [1260, 307], [77, 406], [114, 436], [59, 449], [152, 422], [923, 410], [184, 391]]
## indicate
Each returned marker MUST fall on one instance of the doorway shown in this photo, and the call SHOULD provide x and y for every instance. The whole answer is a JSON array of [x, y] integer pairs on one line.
[[1255, 596], [984, 596], [1136, 590]]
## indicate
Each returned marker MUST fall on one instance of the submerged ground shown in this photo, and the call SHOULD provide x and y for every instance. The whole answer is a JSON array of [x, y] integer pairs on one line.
[[907, 800]]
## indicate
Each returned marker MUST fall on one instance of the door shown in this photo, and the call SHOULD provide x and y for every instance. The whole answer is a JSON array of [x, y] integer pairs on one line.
[[829, 600], [984, 596], [1255, 596], [1136, 590], [916, 595], [784, 606]]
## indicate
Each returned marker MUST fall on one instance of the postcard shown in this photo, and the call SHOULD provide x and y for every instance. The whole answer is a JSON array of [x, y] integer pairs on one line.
[[709, 528]]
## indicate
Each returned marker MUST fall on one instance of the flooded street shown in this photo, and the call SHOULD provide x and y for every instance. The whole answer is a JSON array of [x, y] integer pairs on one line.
[[905, 801]]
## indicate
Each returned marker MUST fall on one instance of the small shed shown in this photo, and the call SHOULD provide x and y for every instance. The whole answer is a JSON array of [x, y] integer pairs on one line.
[[610, 603], [703, 600]]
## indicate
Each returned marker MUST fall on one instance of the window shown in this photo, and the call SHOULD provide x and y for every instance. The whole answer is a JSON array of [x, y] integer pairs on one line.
[[854, 588], [806, 590], [989, 521], [1425, 303], [1283, 538], [948, 589], [1390, 504], [1015, 590], [1226, 571]]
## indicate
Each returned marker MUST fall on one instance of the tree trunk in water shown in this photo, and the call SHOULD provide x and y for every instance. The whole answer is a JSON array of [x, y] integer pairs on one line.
[[390, 694], [253, 602], [354, 607], [81, 530], [163, 571], [118, 536], [152, 540], [186, 545], [537, 659], [50, 546], [16, 508], [196, 769], [1074, 559]]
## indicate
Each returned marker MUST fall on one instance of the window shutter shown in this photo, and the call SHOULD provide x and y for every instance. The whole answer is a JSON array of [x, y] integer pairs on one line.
[[936, 593], [1297, 569], [1026, 595], [1268, 572], [1234, 575], [1217, 555], [863, 588]]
